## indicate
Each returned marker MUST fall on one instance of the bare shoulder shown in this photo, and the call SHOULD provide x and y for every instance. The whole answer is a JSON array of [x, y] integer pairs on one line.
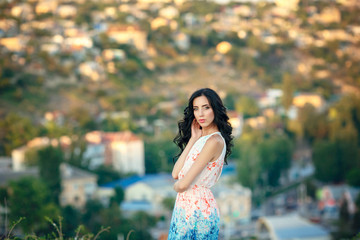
[[215, 141]]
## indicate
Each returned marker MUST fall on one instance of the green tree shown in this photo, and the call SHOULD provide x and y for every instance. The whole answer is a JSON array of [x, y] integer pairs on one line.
[[247, 106], [15, 131], [142, 222], [106, 174], [341, 156], [159, 155], [119, 196], [168, 203], [29, 199], [83, 119], [288, 91], [50, 159], [92, 215], [71, 220], [249, 165]]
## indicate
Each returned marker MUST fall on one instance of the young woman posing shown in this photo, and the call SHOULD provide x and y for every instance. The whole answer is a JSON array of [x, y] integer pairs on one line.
[[205, 141]]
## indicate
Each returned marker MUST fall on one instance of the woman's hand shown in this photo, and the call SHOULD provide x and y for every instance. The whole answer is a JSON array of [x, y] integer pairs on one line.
[[195, 130]]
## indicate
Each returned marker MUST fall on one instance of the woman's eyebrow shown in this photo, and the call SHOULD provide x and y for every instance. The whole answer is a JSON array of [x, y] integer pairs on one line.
[[202, 105]]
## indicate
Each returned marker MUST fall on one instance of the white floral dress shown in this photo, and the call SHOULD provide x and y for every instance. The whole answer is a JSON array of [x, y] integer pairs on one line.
[[196, 215]]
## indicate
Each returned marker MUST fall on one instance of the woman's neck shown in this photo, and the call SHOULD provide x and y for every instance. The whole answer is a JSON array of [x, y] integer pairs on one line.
[[209, 130]]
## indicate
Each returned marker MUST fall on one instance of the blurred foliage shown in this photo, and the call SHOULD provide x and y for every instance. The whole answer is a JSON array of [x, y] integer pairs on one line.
[[29, 198], [262, 157], [247, 106], [49, 162], [15, 131]]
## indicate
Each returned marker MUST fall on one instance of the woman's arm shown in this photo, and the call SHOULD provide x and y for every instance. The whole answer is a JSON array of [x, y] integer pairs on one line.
[[181, 160], [195, 135], [212, 148]]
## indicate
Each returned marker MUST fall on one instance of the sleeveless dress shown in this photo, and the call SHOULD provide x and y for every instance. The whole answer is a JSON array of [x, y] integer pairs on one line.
[[195, 214]]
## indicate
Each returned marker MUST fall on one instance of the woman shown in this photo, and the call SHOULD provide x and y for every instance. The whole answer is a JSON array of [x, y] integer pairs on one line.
[[205, 141]]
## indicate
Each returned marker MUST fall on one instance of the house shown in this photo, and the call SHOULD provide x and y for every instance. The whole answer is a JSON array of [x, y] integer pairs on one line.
[[271, 98], [288, 4], [223, 47], [14, 44], [256, 122], [50, 48], [78, 186], [8, 26], [144, 193], [124, 151], [237, 121], [110, 12], [23, 11], [128, 34], [163, 22], [113, 54], [169, 12], [18, 155], [289, 227], [77, 39], [329, 15], [54, 116], [182, 41], [300, 100], [92, 70], [46, 6], [66, 11], [8, 175]]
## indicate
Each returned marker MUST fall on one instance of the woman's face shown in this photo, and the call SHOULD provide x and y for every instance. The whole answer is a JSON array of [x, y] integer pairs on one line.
[[203, 111]]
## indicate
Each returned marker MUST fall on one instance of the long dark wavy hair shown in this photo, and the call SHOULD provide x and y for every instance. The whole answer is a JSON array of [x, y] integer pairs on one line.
[[220, 119]]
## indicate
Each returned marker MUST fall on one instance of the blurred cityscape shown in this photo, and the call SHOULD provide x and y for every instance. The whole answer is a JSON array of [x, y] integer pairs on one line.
[[91, 93]]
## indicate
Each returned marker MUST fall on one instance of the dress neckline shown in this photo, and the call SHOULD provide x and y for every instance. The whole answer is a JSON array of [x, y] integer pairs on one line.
[[210, 134]]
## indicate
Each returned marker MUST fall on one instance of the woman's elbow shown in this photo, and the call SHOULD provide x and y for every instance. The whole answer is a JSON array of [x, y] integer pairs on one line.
[[181, 186]]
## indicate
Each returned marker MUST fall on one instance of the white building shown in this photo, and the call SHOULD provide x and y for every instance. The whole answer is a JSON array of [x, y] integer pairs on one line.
[[122, 150], [18, 155]]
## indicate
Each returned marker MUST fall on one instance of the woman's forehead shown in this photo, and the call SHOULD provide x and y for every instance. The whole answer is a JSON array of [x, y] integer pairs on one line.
[[200, 101]]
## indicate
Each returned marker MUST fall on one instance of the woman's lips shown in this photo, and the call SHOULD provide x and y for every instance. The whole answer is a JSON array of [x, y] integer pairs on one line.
[[201, 120]]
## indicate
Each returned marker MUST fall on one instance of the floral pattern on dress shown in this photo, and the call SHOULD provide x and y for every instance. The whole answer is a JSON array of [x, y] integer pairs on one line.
[[196, 215]]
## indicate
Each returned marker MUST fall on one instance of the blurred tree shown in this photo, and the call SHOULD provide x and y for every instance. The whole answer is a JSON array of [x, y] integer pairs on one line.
[[249, 166], [142, 222], [115, 125], [82, 119], [263, 156], [353, 177], [247, 106], [106, 174], [159, 155], [168, 203], [71, 220], [91, 217], [50, 159], [341, 156], [15, 131], [29, 198], [288, 91], [119, 196]]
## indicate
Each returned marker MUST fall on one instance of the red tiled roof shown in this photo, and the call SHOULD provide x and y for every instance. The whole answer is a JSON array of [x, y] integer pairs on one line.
[[99, 136]]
